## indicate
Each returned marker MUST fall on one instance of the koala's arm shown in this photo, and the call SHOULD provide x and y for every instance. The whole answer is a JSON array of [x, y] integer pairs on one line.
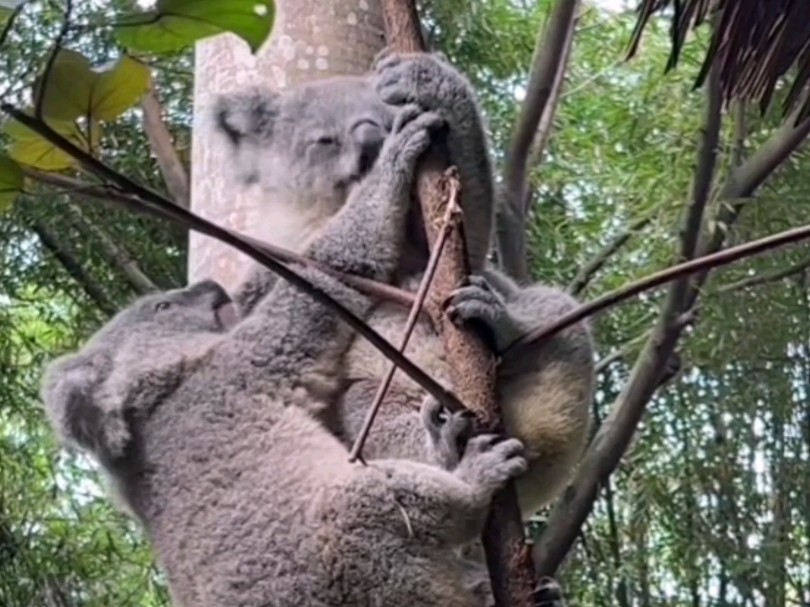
[[436, 505], [430, 81], [365, 238]]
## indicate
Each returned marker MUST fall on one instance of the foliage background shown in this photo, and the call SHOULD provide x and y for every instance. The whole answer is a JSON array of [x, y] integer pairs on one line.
[[711, 506]]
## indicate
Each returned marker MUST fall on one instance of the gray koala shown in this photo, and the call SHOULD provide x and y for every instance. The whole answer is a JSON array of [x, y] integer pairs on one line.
[[306, 147], [210, 427]]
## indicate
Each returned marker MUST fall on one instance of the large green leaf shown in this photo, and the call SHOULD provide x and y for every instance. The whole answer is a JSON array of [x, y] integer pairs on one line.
[[119, 88], [28, 147], [11, 182], [174, 24], [75, 90]]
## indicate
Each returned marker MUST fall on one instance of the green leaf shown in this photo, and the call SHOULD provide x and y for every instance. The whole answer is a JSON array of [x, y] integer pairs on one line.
[[68, 92], [119, 88], [174, 24], [75, 90], [11, 182], [31, 149]]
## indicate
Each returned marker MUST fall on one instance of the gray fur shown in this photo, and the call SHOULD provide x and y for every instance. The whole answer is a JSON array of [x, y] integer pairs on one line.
[[546, 395], [211, 433]]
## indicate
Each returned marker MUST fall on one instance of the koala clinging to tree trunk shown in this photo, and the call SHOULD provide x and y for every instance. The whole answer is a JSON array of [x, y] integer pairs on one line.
[[307, 147], [209, 428]]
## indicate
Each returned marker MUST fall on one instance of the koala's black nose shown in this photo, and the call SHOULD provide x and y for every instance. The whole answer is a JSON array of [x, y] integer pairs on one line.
[[369, 138]]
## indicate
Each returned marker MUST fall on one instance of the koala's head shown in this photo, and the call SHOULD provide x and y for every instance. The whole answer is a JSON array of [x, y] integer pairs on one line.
[[308, 144], [135, 360]]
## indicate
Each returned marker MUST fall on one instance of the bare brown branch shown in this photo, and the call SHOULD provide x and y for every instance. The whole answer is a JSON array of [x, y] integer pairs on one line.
[[160, 140], [548, 69], [679, 271], [472, 365]]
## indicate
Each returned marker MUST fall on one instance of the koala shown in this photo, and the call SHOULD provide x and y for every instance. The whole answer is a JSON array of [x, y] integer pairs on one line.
[[209, 425], [305, 148]]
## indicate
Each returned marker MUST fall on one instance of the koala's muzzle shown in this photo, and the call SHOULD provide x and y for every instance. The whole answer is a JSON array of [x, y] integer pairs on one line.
[[219, 300]]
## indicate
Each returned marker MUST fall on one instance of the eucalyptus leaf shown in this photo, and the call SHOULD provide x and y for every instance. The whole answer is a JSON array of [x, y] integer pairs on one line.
[[174, 24]]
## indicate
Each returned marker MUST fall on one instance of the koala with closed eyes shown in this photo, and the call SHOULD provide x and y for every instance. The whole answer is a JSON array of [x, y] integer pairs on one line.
[[209, 426], [307, 148]]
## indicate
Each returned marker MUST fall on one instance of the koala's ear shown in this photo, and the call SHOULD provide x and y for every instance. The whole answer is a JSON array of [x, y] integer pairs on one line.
[[246, 114], [70, 393]]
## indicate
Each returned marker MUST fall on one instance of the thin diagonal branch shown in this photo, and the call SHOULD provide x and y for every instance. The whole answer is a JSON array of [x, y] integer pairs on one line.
[[74, 268], [676, 272], [586, 274], [160, 140], [117, 198], [116, 255]]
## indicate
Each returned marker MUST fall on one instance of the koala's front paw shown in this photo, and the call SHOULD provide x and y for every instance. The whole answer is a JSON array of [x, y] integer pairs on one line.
[[426, 79], [410, 137], [477, 302], [489, 461], [448, 431]]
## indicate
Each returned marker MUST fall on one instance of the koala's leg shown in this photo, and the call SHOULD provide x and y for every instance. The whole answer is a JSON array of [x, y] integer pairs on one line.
[[545, 394]]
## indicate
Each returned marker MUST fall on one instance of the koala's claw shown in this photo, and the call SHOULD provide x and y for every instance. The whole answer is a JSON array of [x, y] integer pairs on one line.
[[424, 78], [411, 135], [448, 431], [476, 300], [489, 462]]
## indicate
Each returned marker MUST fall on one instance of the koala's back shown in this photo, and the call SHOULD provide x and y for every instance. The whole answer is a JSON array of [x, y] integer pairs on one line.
[[253, 513]]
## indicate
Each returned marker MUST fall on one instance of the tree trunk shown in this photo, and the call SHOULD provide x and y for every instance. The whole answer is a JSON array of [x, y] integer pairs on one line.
[[311, 39]]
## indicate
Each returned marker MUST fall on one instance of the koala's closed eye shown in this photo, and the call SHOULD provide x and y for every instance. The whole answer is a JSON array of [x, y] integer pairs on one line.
[[163, 305]]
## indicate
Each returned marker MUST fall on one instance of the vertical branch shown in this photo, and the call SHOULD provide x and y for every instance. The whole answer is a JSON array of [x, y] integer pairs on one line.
[[548, 68], [472, 365], [160, 140]]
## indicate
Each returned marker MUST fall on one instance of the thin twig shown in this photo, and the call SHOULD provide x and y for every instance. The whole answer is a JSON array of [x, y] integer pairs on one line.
[[453, 208], [145, 200], [160, 140], [588, 271], [116, 255], [74, 268], [107, 194], [57, 48], [687, 268], [764, 278]]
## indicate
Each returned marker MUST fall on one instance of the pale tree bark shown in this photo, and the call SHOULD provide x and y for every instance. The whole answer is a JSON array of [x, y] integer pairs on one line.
[[311, 39]]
